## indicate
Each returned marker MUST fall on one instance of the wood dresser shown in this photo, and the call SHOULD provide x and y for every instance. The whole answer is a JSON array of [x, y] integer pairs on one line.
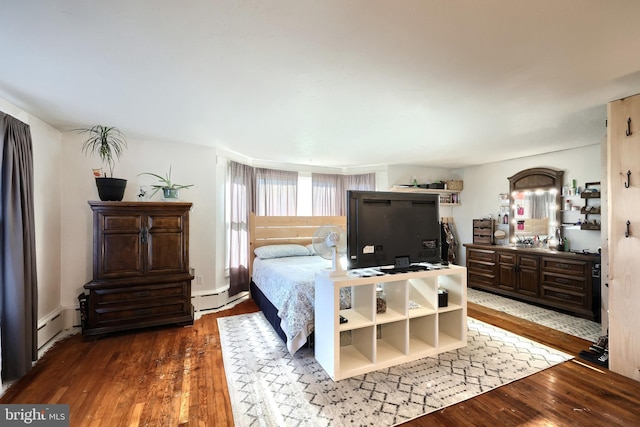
[[565, 281], [140, 267]]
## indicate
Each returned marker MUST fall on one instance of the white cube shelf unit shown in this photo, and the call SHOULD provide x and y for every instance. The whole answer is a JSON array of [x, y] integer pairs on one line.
[[412, 327]]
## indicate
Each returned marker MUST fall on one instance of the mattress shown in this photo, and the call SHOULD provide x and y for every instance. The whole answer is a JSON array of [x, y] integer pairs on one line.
[[289, 283]]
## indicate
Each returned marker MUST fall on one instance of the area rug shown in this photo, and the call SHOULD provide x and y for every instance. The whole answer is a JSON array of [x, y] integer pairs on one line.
[[268, 387], [572, 325]]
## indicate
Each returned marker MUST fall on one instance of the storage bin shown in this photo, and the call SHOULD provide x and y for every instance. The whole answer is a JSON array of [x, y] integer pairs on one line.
[[454, 185]]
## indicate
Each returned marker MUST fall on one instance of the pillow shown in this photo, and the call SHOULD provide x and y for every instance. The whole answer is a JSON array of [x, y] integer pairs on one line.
[[310, 249], [280, 251]]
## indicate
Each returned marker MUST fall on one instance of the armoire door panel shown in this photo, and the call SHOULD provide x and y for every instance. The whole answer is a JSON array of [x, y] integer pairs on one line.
[[119, 223], [165, 253], [121, 255]]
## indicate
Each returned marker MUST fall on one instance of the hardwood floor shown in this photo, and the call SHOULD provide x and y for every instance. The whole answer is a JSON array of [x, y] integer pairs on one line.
[[175, 376]]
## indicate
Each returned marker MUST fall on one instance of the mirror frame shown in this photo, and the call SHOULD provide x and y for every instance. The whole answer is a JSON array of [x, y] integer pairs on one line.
[[535, 179]]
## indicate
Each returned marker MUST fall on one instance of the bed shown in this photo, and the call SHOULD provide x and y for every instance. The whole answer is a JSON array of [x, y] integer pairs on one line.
[[283, 272]]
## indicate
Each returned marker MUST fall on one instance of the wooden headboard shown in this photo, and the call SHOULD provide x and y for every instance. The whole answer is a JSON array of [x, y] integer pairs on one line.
[[280, 230]]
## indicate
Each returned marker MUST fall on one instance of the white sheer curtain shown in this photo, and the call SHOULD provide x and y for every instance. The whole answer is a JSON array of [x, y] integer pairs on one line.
[[330, 191], [276, 192], [240, 201], [249, 189], [324, 189]]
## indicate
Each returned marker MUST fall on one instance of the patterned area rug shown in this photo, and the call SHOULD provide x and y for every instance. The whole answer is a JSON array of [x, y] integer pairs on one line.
[[268, 387], [566, 323]]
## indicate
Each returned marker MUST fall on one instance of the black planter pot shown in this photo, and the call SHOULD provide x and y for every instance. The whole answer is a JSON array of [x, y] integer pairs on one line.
[[111, 189]]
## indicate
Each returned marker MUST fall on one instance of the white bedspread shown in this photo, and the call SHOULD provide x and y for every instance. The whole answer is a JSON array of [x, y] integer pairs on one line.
[[289, 283]]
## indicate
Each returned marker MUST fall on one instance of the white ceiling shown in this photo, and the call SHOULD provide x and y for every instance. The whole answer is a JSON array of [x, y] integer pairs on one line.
[[339, 83]]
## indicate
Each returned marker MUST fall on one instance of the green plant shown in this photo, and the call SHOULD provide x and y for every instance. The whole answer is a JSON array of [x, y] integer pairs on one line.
[[165, 182], [105, 141]]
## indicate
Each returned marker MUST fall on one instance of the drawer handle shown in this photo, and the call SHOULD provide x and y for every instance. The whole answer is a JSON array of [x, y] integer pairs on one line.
[[561, 280], [143, 312], [143, 293], [561, 265]]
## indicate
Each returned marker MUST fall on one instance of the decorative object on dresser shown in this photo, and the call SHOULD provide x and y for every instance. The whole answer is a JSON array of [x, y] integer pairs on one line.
[[140, 267], [566, 281], [170, 190], [483, 231], [108, 143]]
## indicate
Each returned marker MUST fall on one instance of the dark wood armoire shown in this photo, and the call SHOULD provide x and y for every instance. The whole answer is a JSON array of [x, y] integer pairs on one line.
[[140, 267]]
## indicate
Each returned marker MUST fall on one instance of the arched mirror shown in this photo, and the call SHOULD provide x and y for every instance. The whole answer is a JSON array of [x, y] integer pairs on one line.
[[534, 198]]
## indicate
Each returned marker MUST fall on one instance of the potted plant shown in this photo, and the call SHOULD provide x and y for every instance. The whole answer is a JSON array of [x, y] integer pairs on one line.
[[108, 143], [170, 190]]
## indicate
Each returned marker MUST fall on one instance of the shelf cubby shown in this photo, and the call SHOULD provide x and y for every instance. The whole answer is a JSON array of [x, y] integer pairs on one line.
[[451, 330], [457, 293], [422, 334], [359, 351], [422, 293], [396, 302], [391, 342]]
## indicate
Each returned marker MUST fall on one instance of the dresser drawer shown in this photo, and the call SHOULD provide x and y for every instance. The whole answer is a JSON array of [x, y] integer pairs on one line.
[[110, 315], [567, 298], [135, 294], [482, 232], [481, 267], [480, 279], [481, 255], [483, 223], [566, 266], [569, 282], [482, 240]]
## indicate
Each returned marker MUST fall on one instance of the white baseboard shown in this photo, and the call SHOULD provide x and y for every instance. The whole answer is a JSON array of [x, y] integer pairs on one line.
[[215, 300], [50, 326]]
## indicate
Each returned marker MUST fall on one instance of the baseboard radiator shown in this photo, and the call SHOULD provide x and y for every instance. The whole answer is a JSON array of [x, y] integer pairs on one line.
[[215, 300], [50, 326]]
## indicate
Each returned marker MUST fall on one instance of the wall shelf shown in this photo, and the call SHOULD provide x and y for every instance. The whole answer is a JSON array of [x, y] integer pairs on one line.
[[590, 196], [447, 197]]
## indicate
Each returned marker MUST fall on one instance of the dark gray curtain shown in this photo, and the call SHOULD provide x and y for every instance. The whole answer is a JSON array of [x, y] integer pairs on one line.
[[19, 287]]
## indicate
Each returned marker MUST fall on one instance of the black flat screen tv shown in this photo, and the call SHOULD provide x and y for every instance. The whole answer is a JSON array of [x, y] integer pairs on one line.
[[392, 229]]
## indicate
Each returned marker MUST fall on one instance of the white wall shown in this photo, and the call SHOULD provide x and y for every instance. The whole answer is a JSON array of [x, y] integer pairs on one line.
[[47, 144], [190, 163]]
